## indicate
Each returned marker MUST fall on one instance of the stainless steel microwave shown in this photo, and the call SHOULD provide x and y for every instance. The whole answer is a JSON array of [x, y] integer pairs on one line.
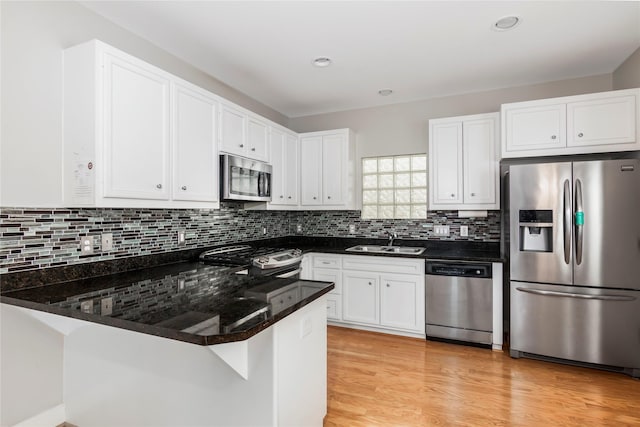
[[244, 179]]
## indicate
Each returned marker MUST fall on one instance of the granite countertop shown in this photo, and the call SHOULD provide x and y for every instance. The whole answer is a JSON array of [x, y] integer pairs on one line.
[[172, 295], [186, 301]]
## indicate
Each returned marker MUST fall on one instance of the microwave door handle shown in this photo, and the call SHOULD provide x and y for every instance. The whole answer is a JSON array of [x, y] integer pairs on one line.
[[579, 220], [567, 221]]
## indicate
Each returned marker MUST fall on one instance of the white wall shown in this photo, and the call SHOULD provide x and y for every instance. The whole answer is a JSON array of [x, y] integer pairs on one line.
[[33, 35], [627, 75], [30, 370]]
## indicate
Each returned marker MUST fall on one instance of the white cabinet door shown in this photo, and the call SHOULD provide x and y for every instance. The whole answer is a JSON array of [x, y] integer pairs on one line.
[[360, 297], [311, 170], [136, 131], [195, 155], [329, 275], [333, 167], [480, 161], [257, 139], [334, 307], [232, 130], [603, 121], [279, 174], [402, 302], [446, 163], [535, 128], [292, 173]]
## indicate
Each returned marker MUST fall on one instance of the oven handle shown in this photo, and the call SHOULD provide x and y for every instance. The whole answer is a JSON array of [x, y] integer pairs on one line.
[[289, 274], [291, 261], [580, 296]]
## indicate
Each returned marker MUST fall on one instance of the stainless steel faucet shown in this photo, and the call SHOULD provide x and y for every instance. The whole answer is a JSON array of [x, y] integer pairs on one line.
[[392, 235]]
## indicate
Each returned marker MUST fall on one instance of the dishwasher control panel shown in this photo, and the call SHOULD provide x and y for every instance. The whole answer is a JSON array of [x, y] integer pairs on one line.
[[458, 269]]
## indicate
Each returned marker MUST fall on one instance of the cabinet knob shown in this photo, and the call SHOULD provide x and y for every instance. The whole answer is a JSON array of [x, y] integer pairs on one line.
[[281, 197], [289, 197], [184, 188], [159, 186], [553, 137], [473, 194], [328, 197], [241, 145], [314, 197], [369, 283], [388, 285], [453, 195], [580, 135], [253, 149]]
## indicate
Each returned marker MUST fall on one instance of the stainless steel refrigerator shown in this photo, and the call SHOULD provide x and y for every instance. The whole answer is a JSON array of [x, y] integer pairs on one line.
[[575, 261]]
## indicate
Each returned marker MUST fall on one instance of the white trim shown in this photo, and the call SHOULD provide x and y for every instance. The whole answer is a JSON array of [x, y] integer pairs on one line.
[[51, 417]]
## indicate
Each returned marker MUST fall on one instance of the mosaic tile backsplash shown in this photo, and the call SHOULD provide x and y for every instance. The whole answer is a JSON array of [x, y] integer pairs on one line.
[[39, 238]]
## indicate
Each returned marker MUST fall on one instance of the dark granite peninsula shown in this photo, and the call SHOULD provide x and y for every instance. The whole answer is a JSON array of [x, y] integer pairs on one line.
[[183, 344]]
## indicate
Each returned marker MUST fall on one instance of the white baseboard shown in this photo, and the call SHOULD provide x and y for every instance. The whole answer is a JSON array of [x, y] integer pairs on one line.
[[51, 417]]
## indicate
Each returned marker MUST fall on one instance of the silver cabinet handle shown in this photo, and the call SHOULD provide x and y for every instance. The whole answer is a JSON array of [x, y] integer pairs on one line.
[[579, 221], [553, 137], [159, 186], [578, 296], [184, 188], [580, 135], [567, 221]]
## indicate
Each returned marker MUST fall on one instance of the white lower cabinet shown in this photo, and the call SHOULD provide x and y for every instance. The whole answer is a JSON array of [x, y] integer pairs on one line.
[[378, 293]]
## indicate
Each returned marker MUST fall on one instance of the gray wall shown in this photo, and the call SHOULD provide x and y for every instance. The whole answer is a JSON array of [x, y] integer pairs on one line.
[[404, 128], [627, 75], [33, 36]]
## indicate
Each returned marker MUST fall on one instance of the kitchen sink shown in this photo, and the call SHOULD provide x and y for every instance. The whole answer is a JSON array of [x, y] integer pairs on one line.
[[407, 250]]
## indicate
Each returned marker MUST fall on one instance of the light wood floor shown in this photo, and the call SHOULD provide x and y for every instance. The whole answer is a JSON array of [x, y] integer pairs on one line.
[[385, 380]]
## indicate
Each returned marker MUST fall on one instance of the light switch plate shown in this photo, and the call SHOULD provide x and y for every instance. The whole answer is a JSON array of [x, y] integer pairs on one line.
[[107, 242], [464, 230]]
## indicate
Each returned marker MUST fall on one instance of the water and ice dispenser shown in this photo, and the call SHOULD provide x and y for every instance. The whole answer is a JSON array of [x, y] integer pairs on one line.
[[536, 230]]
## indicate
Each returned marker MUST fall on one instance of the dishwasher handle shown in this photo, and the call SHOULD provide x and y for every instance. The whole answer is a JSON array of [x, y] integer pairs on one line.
[[458, 269]]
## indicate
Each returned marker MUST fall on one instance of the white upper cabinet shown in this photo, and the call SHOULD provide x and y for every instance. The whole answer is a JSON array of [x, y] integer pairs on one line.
[[463, 163], [243, 134], [285, 177], [593, 123], [327, 170], [195, 155], [134, 135], [136, 130]]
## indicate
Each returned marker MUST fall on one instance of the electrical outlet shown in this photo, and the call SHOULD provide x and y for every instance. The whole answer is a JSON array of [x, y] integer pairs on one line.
[[87, 306], [86, 245], [107, 242], [352, 229], [182, 238], [464, 230], [441, 230], [298, 228], [106, 306]]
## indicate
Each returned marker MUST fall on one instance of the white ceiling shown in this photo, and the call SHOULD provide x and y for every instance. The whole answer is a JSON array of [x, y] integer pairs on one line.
[[420, 49]]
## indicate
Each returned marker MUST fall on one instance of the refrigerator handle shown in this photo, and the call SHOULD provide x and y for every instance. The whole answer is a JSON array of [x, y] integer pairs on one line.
[[579, 221], [567, 221]]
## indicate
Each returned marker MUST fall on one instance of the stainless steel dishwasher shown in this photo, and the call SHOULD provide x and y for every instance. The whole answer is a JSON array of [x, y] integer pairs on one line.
[[459, 301]]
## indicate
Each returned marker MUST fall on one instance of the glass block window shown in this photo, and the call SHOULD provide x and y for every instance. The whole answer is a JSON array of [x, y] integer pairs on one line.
[[394, 187]]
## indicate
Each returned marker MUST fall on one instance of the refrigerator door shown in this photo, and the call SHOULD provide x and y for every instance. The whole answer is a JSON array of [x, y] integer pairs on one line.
[[607, 233], [540, 220], [570, 322]]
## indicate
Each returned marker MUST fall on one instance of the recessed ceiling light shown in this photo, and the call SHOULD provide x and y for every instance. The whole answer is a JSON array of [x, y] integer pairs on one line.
[[321, 62], [385, 92], [506, 23]]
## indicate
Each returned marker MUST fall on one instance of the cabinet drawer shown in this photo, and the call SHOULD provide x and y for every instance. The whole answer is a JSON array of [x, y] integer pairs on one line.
[[326, 261], [329, 275], [383, 264], [334, 307]]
